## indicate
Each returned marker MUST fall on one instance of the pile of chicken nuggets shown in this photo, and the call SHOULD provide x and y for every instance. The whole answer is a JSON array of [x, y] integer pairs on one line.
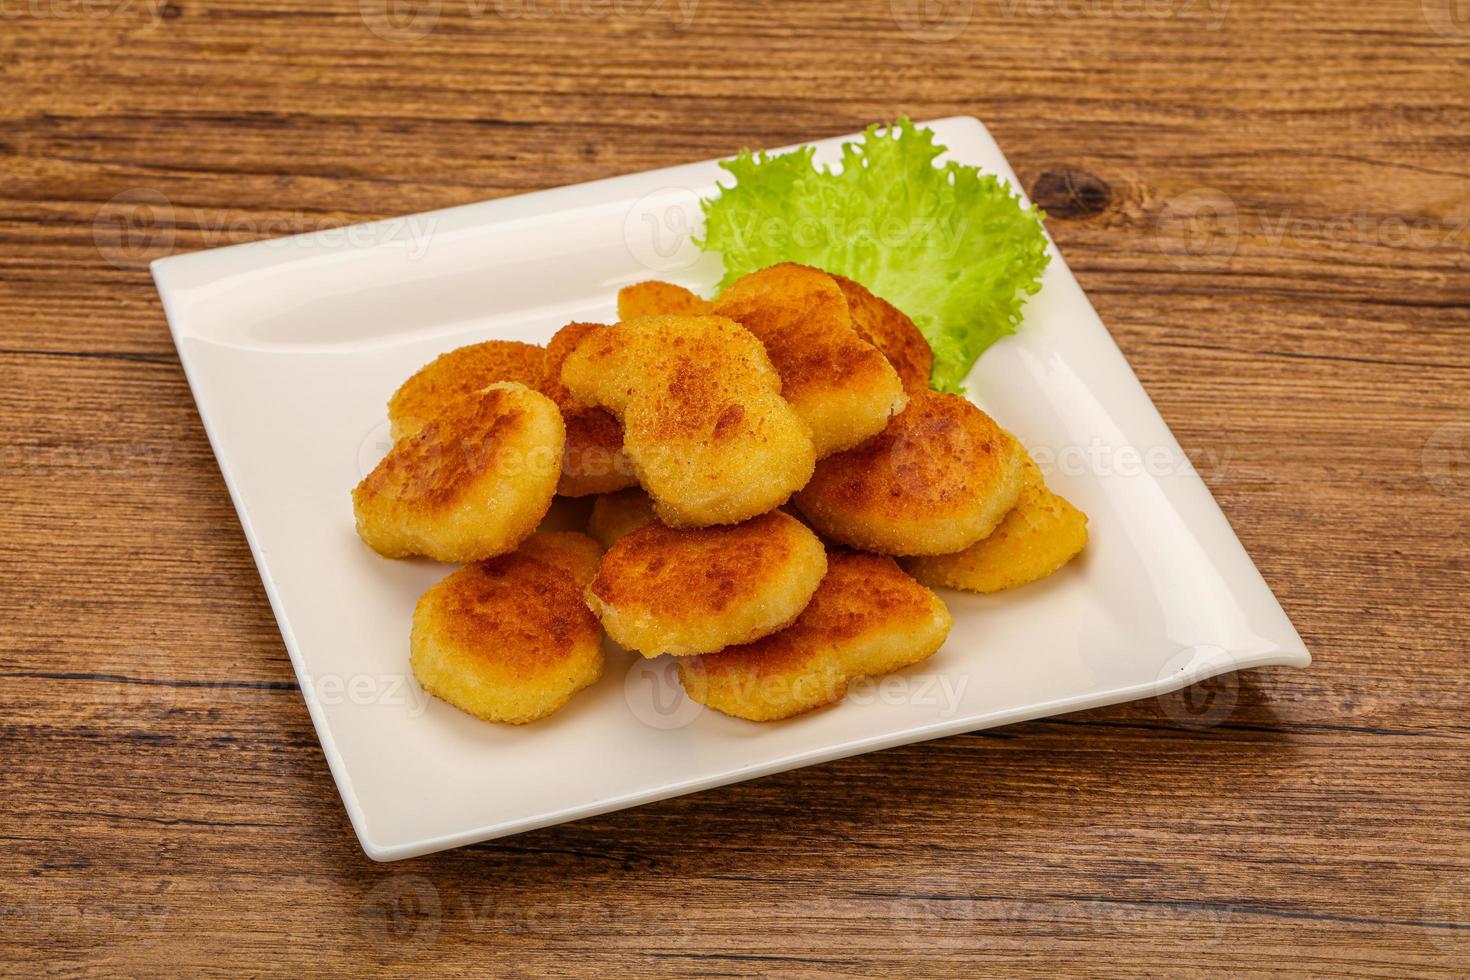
[[777, 491]]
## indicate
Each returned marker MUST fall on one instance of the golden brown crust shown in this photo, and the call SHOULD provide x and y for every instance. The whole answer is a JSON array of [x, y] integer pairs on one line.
[[471, 484], [866, 618], [572, 552], [438, 470], [593, 461], [509, 639], [1040, 534], [616, 515], [558, 348], [655, 297], [704, 423], [938, 479], [661, 590], [890, 330], [446, 381], [839, 383]]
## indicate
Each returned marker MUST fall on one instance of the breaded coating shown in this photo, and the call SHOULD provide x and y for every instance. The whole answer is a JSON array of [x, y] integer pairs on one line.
[[1041, 534], [572, 552], [616, 515], [472, 484], [941, 477], [593, 461], [509, 639], [890, 330], [450, 378], [867, 618], [654, 297], [661, 590], [839, 383], [704, 423]]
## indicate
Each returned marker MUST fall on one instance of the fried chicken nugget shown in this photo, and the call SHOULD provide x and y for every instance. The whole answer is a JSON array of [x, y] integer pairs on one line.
[[941, 477], [593, 461], [1041, 534], [451, 378], [704, 423], [661, 590], [472, 484], [509, 639], [617, 515], [867, 618], [839, 383], [890, 330], [654, 297]]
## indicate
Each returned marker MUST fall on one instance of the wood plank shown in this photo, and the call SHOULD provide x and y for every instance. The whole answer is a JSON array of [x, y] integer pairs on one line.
[[163, 799]]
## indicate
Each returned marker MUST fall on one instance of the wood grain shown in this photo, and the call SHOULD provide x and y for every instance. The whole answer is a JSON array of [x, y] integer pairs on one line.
[[163, 800]]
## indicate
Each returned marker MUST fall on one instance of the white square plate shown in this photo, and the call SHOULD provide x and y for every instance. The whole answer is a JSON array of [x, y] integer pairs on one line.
[[292, 347]]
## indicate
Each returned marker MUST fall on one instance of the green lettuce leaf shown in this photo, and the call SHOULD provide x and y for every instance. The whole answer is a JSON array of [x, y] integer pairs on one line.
[[950, 246]]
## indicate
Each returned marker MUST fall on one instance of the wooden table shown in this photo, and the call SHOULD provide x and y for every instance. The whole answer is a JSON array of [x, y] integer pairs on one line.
[[1269, 203]]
